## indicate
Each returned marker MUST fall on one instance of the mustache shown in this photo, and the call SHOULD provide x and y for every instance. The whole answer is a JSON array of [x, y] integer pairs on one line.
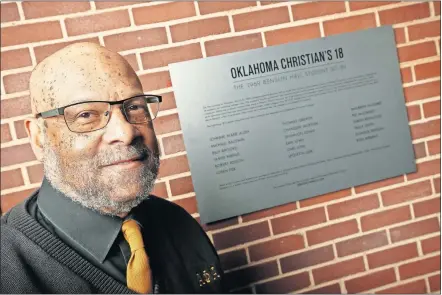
[[123, 153]]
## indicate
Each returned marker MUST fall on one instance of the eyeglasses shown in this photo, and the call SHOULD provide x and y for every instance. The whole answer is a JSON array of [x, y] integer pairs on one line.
[[89, 116]]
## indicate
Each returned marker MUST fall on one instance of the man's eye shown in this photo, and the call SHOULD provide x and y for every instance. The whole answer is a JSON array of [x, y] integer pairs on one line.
[[85, 115], [133, 107]]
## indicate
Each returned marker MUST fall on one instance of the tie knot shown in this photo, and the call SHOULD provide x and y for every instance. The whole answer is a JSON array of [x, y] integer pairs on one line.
[[132, 234]]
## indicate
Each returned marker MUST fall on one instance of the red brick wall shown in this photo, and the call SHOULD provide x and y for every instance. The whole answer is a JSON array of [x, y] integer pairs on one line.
[[381, 237]]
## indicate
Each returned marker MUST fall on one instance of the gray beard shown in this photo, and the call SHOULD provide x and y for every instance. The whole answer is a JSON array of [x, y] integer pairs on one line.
[[81, 182]]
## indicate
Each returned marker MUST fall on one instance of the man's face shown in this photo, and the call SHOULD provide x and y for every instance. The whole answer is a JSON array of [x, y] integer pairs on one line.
[[112, 169]]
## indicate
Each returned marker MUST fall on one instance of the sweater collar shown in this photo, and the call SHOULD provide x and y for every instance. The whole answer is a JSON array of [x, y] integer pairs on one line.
[[86, 229]]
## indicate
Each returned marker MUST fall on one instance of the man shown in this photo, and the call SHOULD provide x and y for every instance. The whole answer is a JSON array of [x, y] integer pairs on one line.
[[92, 227]]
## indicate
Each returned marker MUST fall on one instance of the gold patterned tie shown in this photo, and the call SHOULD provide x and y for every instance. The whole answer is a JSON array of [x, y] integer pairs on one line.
[[138, 272]]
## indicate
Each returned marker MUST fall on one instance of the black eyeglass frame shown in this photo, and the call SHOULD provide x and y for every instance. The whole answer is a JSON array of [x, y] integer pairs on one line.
[[60, 111]]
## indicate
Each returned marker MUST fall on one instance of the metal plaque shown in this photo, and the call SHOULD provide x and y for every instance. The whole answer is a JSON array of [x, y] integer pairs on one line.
[[274, 125]]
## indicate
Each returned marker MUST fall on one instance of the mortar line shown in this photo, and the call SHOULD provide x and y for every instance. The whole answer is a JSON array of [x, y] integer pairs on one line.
[[93, 6], [25, 175], [197, 8], [21, 12]]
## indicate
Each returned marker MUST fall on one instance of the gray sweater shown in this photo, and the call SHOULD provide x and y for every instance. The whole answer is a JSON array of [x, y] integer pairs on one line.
[[33, 260]]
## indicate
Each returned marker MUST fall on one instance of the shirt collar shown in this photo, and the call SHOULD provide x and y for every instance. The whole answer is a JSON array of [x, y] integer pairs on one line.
[[87, 229]]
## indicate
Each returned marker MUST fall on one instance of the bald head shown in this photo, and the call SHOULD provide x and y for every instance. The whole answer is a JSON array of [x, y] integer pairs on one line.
[[81, 72]]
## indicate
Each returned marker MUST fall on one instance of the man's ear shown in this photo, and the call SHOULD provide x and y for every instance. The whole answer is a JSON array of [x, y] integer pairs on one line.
[[36, 136]]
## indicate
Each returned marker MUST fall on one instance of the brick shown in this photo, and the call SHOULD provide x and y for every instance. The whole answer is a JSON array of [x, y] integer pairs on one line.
[[406, 193], [132, 60], [406, 75], [330, 289], [436, 7], [427, 70], [154, 81], [136, 39], [431, 109], [315, 9], [421, 91], [260, 18], [14, 107], [189, 204], [9, 12], [349, 24], [425, 129], [200, 28], [399, 35], [13, 59], [276, 247], [392, 255], [378, 184], [307, 258], [41, 52], [163, 12], [173, 166], [16, 82], [181, 186], [35, 173], [23, 34], [20, 130], [427, 207], [338, 270], [160, 190], [331, 232], [97, 22], [404, 14], [233, 44], [436, 182], [414, 269], [325, 198], [173, 144], [357, 5], [425, 30], [414, 229], [10, 200], [414, 113], [168, 102], [425, 169], [245, 276], [269, 212], [5, 133], [104, 5], [353, 206], [419, 150], [416, 287], [434, 146], [220, 224], [298, 220], [370, 281], [435, 280], [16, 155], [33, 9], [416, 51], [285, 285], [241, 235], [164, 57], [213, 7], [384, 218], [166, 124], [363, 243], [233, 259], [11, 179], [292, 34], [431, 245]]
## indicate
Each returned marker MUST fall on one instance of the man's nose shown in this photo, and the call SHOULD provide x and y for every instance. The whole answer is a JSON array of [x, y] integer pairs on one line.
[[119, 129]]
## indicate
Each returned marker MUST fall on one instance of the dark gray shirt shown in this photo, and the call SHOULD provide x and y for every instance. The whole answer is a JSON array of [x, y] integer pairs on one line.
[[96, 237]]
